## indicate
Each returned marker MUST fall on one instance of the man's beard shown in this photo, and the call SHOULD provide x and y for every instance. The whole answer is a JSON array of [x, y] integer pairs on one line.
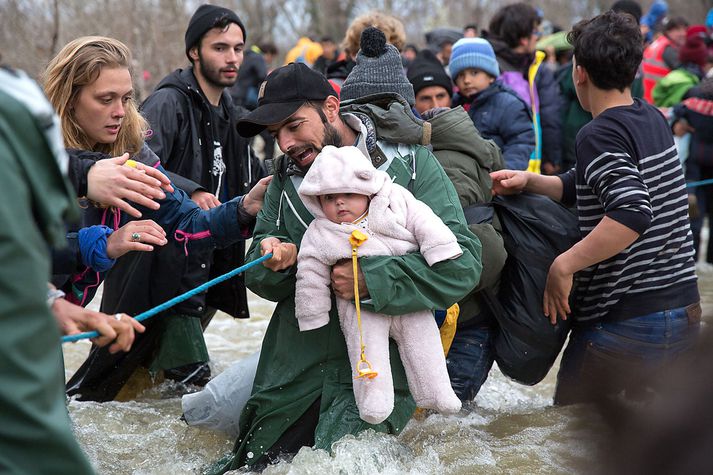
[[331, 136], [212, 75]]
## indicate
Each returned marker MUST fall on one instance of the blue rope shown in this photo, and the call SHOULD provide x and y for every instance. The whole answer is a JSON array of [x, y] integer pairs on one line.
[[693, 184], [170, 303]]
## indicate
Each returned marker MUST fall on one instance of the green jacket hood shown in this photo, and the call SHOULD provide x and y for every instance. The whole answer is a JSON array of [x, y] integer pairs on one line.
[[393, 118], [454, 130]]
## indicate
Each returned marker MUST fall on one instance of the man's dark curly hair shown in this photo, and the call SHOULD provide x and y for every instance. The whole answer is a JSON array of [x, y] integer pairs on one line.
[[514, 22], [609, 48]]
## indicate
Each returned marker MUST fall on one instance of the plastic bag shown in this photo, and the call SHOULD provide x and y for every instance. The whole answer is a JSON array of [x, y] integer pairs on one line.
[[536, 231], [219, 404]]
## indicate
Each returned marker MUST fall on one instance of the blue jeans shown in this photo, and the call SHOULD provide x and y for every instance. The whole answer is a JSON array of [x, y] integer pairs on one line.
[[470, 359], [606, 358]]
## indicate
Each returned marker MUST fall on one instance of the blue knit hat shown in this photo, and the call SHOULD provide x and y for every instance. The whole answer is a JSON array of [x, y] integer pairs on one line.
[[474, 53]]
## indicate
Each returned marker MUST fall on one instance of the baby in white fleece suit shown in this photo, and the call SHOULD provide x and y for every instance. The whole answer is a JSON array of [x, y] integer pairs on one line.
[[345, 192]]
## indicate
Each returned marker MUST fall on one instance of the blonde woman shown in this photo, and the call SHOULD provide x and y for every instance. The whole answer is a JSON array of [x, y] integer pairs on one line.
[[89, 84]]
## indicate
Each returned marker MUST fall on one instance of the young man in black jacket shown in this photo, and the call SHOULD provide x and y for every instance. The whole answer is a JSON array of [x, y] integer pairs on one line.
[[193, 121]]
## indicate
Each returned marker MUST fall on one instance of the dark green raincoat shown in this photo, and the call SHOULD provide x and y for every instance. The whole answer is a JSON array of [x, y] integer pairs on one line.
[[296, 368], [35, 431]]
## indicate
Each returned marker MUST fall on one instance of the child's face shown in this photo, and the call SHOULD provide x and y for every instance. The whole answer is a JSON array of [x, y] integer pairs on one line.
[[344, 207], [471, 81]]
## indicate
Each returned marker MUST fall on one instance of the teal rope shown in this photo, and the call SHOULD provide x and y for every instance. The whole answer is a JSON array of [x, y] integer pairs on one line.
[[693, 184], [170, 303]]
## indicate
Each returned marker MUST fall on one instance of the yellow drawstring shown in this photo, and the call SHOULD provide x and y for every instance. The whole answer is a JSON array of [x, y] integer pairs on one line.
[[363, 367]]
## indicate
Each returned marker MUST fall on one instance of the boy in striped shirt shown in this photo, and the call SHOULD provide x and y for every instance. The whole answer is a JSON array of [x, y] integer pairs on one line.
[[635, 300]]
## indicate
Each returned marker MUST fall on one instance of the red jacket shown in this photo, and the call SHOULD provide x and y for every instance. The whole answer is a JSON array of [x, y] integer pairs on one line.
[[653, 65]]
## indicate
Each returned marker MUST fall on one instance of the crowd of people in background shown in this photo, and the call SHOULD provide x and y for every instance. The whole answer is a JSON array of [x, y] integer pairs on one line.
[[520, 105], [674, 76]]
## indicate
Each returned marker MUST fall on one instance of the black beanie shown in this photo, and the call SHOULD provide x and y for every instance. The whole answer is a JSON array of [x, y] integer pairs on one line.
[[426, 70], [204, 19]]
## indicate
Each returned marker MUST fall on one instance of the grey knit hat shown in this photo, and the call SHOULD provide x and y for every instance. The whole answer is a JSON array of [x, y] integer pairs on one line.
[[378, 69]]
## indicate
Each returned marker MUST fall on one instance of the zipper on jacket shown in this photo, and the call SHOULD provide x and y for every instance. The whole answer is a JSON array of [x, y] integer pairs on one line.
[[279, 210]]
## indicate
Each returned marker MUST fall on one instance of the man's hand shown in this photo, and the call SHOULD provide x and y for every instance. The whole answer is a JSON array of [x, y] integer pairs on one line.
[[113, 183], [557, 289], [252, 203], [681, 127], [343, 280], [73, 319], [549, 168], [509, 182], [205, 200], [135, 236], [284, 254]]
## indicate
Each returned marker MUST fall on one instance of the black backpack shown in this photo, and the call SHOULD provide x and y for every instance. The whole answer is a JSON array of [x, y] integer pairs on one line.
[[536, 230]]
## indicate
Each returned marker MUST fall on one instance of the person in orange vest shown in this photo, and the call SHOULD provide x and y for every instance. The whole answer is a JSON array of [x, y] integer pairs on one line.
[[661, 56]]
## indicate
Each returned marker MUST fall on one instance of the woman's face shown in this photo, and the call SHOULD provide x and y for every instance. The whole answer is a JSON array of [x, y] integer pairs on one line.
[[99, 107]]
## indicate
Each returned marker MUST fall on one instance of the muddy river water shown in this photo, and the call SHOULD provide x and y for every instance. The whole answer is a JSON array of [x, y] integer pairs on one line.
[[508, 429]]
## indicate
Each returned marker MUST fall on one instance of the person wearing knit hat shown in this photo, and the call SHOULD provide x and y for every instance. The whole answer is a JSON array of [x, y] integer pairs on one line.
[[378, 70], [303, 392], [474, 53], [496, 110], [205, 18], [431, 85], [192, 119]]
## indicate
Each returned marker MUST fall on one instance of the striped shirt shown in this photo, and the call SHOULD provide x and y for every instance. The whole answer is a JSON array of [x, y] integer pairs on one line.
[[627, 168]]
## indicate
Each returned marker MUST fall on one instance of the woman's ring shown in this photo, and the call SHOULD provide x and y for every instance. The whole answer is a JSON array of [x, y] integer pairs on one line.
[[118, 316], [136, 237]]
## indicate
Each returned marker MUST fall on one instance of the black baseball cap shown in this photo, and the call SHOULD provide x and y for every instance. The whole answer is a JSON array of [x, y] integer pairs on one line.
[[285, 90]]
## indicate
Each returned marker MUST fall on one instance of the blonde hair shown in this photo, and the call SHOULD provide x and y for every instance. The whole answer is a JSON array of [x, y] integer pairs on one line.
[[79, 64], [391, 26]]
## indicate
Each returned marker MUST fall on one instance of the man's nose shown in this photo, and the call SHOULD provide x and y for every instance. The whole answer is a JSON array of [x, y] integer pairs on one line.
[[285, 141], [234, 57]]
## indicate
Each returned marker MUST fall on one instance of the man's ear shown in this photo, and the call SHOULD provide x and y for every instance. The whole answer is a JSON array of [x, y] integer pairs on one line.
[[580, 75], [193, 53], [331, 108]]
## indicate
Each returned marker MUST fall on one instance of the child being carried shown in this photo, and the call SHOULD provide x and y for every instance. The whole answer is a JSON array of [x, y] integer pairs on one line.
[[346, 193]]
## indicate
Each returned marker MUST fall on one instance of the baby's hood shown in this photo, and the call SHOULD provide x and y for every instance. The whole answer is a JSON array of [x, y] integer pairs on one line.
[[339, 170]]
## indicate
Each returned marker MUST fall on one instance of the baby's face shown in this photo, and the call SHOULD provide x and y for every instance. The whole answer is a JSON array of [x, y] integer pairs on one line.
[[344, 207]]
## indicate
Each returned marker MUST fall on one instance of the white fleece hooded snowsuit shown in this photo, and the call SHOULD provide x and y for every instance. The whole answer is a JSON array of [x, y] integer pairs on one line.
[[397, 224]]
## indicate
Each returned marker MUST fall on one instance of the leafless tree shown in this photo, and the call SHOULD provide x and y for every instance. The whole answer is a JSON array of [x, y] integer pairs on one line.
[[32, 31]]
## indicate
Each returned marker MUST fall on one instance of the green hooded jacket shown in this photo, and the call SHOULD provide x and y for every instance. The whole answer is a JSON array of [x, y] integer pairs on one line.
[[35, 434], [296, 368]]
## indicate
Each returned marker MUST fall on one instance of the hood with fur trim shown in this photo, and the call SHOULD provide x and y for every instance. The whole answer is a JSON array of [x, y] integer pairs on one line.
[[340, 170]]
